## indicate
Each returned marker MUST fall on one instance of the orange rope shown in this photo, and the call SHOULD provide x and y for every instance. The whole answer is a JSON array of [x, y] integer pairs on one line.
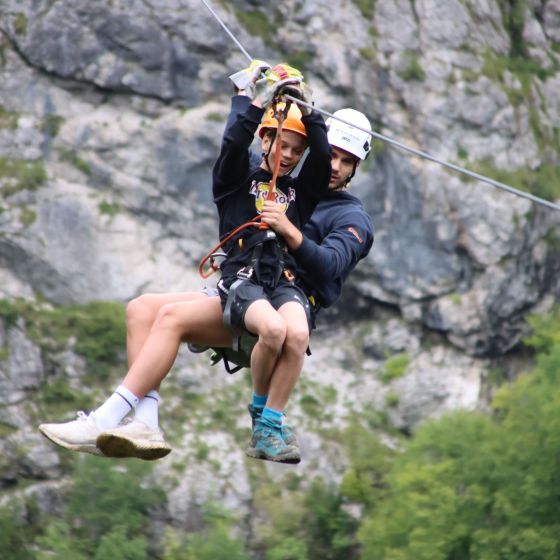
[[280, 116]]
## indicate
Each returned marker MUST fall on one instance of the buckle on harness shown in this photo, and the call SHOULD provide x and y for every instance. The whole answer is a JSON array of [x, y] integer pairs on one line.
[[288, 275], [245, 273]]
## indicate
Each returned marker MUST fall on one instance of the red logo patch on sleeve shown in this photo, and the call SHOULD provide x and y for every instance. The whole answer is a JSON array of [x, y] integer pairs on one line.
[[355, 234]]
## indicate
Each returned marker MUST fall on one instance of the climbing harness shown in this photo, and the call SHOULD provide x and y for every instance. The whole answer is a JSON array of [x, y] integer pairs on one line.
[[400, 145]]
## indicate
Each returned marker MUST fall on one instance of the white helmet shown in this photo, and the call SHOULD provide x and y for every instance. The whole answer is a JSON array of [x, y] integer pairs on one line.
[[347, 137]]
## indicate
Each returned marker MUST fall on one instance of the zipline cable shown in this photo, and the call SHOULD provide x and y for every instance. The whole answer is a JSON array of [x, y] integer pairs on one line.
[[227, 30], [425, 155], [398, 144]]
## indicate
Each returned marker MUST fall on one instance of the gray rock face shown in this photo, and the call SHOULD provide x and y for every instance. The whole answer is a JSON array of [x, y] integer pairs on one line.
[[111, 115]]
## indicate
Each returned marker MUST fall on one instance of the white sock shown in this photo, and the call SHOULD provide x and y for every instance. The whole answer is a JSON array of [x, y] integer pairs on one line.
[[147, 410], [115, 408]]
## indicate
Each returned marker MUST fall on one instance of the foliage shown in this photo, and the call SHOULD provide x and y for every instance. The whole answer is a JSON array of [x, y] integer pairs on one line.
[[14, 535], [370, 461], [27, 216], [21, 175], [99, 328], [304, 523], [546, 330], [255, 22], [20, 24], [543, 181], [51, 124], [8, 119], [513, 14], [106, 514], [57, 542], [395, 366], [476, 486], [367, 7], [214, 542], [329, 530], [110, 209], [413, 69], [71, 157]]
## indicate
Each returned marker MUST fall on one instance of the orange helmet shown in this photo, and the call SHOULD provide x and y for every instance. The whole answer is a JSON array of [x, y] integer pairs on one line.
[[291, 122]]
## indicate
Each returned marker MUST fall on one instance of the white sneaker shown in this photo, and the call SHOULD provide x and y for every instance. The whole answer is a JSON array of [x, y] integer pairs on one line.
[[134, 439], [77, 435]]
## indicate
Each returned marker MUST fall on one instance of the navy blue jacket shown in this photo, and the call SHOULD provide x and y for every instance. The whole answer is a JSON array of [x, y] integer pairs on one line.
[[338, 236]]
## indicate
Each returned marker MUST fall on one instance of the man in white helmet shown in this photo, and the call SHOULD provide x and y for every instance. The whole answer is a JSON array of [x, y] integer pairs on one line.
[[340, 232]]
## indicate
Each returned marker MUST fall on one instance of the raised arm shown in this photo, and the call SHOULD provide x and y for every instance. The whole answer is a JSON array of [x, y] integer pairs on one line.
[[232, 165], [314, 176]]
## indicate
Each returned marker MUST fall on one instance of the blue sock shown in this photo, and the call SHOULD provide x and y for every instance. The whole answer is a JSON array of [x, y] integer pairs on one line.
[[258, 400], [274, 416]]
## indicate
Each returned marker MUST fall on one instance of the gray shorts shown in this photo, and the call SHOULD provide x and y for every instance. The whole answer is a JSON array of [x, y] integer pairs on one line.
[[241, 294], [210, 292]]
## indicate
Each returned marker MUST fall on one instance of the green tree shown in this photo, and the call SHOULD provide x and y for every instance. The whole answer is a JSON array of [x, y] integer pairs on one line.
[[106, 514], [213, 542], [116, 545], [480, 487], [329, 531], [13, 536]]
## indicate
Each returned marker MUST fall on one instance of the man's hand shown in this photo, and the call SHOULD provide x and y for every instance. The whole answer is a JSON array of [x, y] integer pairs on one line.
[[273, 214]]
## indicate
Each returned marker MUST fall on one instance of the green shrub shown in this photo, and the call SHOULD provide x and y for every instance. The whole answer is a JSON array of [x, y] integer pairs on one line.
[[255, 22], [71, 157], [106, 513], [20, 24], [14, 536], [213, 542], [8, 119], [99, 328], [51, 124], [19, 174], [543, 181], [413, 70], [546, 330], [395, 367], [367, 7], [110, 209]]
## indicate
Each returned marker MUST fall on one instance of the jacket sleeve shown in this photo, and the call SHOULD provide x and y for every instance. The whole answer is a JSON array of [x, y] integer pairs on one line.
[[233, 165], [313, 179], [239, 104], [338, 253]]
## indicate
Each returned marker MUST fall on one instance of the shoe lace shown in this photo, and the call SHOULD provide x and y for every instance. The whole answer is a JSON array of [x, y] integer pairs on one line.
[[82, 416]]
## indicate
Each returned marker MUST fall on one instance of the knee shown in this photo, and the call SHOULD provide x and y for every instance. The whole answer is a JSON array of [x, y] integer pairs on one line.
[[273, 333], [140, 311], [167, 318], [297, 339]]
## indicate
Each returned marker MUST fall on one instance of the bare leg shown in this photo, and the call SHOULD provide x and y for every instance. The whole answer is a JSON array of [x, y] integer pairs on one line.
[[141, 312], [289, 365], [199, 321], [262, 319]]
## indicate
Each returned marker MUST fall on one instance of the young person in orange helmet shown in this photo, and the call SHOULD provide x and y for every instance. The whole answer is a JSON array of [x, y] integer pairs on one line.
[[257, 287]]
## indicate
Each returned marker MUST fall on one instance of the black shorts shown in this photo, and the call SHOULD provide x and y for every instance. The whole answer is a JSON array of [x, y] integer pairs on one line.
[[245, 292]]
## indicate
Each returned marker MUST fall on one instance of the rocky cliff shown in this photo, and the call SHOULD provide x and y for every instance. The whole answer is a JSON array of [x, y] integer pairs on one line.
[[110, 119]]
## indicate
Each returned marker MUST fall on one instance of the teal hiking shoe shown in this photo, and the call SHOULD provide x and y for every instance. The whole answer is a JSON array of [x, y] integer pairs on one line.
[[267, 443], [288, 433]]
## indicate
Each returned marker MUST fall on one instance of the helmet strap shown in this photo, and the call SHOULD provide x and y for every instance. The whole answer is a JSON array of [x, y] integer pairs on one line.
[[346, 183], [265, 155]]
